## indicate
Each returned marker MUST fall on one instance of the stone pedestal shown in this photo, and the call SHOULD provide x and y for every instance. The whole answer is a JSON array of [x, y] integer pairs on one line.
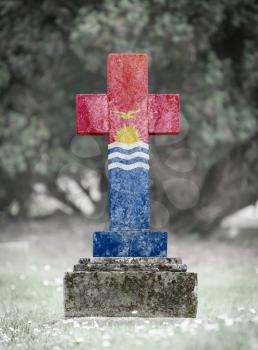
[[122, 287]]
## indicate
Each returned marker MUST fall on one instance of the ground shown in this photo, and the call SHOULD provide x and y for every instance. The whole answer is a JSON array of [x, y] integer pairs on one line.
[[35, 254]]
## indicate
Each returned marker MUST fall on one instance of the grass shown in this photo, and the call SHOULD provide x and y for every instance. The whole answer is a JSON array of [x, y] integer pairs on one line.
[[32, 317], [31, 308]]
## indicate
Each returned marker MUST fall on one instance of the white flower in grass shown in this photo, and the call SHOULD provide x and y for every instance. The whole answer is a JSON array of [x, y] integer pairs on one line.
[[47, 267], [198, 321], [222, 317], [240, 308], [134, 312], [106, 336], [211, 327], [171, 333], [46, 283], [156, 332], [79, 340], [139, 327], [184, 325], [29, 322], [229, 322], [69, 320], [253, 311], [95, 324], [36, 330], [106, 344]]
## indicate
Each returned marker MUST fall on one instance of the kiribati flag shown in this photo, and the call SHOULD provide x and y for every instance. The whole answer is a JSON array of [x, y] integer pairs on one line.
[[128, 166]]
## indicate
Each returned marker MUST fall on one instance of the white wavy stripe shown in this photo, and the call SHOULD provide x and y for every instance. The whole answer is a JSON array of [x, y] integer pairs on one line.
[[130, 146], [128, 166], [128, 156]]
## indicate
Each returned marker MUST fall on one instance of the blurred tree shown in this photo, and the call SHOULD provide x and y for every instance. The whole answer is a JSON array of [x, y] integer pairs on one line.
[[204, 50]]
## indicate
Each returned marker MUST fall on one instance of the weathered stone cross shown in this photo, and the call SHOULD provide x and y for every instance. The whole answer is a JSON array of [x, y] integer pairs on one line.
[[128, 115]]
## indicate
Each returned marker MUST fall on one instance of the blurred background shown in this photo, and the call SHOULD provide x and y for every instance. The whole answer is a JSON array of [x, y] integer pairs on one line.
[[53, 184], [205, 51]]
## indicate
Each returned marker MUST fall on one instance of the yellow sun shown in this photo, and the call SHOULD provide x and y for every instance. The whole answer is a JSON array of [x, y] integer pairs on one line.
[[127, 115], [127, 134]]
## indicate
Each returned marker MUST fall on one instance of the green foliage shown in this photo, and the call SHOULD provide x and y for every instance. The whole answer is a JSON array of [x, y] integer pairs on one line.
[[4, 76], [179, 36], [206, 51], [22, 139]]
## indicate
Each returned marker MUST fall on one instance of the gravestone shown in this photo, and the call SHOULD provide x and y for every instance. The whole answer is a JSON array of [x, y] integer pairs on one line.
[[129, 273]]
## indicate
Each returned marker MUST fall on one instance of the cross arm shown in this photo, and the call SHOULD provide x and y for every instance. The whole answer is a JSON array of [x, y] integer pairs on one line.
[[163, 112], [91, 114]]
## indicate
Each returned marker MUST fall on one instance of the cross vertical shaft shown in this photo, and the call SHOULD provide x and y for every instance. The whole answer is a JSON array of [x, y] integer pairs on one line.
[[128, 159], [128, 115]]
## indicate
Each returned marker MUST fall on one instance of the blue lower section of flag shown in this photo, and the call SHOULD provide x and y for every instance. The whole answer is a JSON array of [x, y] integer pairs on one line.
[[129, 206], [129, 199], [130, 244]]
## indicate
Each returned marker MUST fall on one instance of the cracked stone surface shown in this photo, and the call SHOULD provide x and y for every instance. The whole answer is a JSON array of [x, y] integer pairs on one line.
[[152, 287]]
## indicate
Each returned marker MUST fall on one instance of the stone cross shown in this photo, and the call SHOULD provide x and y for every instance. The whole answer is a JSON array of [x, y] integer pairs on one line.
[[127, 114]]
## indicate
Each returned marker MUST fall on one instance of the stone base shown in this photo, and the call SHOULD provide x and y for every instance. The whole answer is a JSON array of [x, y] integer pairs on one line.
[[123, 287]]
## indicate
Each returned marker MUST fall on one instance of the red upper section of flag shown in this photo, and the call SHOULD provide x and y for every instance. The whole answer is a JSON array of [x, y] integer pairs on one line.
[[127, 103]]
